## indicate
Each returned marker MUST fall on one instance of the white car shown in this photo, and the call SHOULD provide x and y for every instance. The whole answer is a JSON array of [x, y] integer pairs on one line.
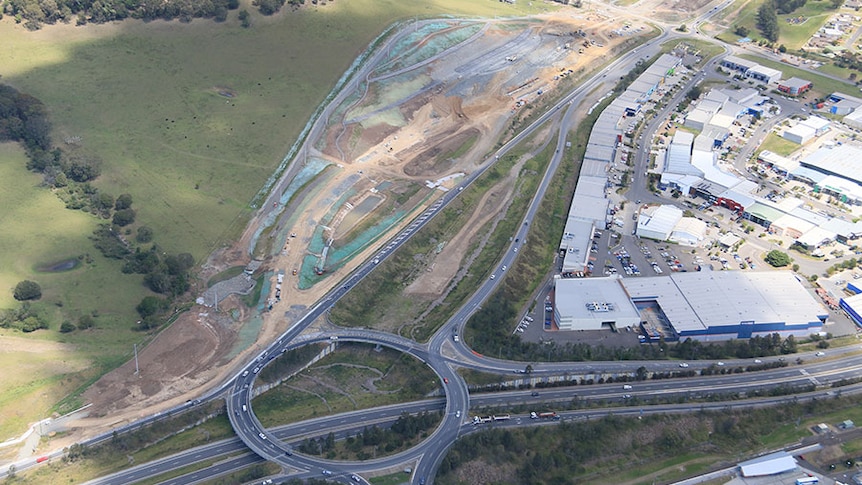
[[720, 364], [758, 361], [493, 276], [504, 267], [684, 365], [820, 354]]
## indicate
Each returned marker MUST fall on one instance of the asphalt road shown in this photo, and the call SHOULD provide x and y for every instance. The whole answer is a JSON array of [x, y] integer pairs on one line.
[[269, 445], [821, 370]]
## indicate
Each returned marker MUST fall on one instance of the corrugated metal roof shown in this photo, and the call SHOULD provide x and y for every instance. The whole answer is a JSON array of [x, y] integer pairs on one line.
[[842, 160], [771, 464], [575, 297]]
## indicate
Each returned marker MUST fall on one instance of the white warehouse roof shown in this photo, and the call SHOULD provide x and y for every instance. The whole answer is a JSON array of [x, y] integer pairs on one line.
[[771, 464], [719, 298], [689, 231], [658, 222], [590, 303]]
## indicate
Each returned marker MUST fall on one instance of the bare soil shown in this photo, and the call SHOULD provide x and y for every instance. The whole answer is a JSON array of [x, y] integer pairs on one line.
[[188, 357]]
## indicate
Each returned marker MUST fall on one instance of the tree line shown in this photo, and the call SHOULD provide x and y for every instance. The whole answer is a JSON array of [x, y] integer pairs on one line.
[[34, 13]]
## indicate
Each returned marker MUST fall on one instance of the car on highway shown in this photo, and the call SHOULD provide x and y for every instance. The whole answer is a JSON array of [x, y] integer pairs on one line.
[[820, 354], [684, 365], [445, 380], [516, 250], [327, 472], [720, 364], [758, 361], [355, 478], [504, 267], [493, 276], [534, 394], [262, 436]]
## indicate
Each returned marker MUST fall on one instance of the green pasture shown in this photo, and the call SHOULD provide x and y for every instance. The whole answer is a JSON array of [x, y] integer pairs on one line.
[[744, 14], [793, 36], [37, 231]]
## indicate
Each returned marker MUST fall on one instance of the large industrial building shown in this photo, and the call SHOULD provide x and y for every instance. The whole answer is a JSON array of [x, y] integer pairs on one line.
[[594, 303], [706, 305], [590, 208]]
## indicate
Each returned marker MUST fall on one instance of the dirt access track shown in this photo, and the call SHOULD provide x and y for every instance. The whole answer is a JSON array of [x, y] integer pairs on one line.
[[444, 95]]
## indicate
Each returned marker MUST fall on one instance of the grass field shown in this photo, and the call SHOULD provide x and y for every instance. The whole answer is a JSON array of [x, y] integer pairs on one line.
[[776, 144], [34, 219], [145, 97], [190, 119], [793, 36], [342, 381]]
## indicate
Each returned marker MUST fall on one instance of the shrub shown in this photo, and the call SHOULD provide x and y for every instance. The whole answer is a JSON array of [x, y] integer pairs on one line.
[[28, 290]]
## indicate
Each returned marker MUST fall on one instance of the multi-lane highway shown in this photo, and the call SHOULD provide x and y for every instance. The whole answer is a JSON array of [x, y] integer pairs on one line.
[[644, 394], [443, 354]]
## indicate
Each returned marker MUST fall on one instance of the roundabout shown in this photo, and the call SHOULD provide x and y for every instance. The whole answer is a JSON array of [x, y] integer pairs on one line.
[[264, 443]]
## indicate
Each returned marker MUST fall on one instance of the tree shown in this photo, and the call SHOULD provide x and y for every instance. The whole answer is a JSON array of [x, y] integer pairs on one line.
[[693, 93], [782, 49], [124, 201], [103, 203], [244, 18], [149, 306], [82, 169], [777, 258], [767, 21], [67, 327], [28, 290], [741, 31], [145, 234], [124, 217]]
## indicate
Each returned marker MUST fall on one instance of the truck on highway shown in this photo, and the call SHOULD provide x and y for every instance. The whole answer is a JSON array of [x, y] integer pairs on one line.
[[502, 417], [545, 415]]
